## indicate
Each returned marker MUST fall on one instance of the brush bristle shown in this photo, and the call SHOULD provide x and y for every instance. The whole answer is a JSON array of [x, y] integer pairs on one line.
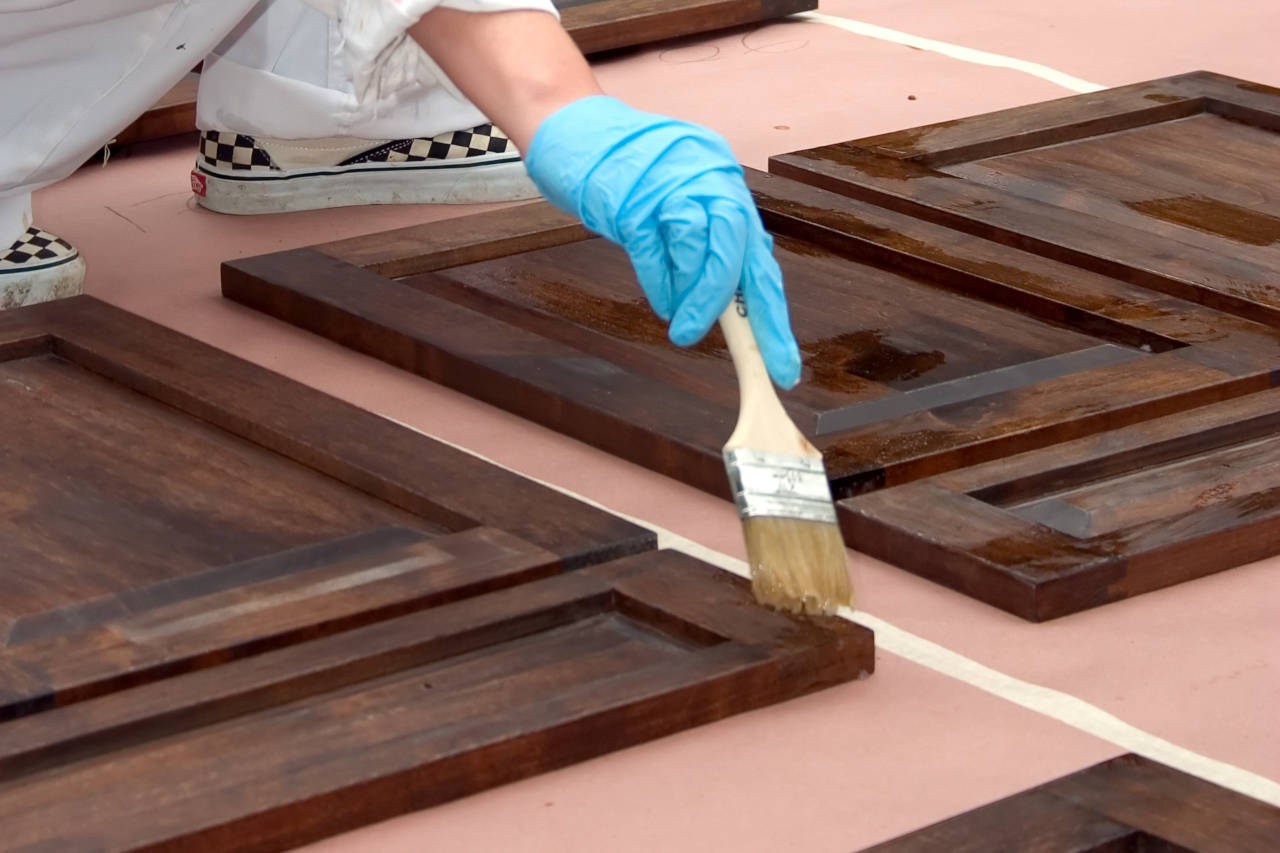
[[798, 565]]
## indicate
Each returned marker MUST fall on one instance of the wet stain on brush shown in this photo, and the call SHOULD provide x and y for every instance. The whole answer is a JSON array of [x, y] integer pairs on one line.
[[1213, 217]]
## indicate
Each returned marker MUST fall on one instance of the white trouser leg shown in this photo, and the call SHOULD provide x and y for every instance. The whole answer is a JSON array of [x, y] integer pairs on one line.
[[15, 217], [75, 72], [280, 75]]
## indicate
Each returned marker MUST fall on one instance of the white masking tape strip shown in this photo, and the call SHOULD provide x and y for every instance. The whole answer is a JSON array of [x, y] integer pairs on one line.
[[955, 51], [1063, 707]]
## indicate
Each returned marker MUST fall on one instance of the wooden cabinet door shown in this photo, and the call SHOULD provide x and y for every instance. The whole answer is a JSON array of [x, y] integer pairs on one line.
[[1172, 184], [926, 350], [239, 614], [599, 25], [280, 712], [1127, 803]]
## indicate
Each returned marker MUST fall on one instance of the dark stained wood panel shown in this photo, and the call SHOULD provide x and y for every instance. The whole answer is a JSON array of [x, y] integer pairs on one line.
[[924, 349], [1172, 184], [927, 350], [386, 712], [1129, 803], [600, 25], [211, 576], [136, 455], [1098, 519]]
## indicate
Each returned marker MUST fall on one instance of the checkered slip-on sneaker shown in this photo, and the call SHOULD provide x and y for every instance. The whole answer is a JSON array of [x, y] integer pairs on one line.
[[236, 173], [38, 267]]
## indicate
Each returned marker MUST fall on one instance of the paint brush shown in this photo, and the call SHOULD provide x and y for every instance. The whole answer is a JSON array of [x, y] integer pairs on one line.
[[779, 483]]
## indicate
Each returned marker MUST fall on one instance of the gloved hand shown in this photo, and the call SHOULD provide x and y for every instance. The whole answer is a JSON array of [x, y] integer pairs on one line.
[[672, 194]]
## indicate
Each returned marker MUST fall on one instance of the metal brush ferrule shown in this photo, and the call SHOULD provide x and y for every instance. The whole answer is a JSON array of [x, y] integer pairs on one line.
[[779, 486]]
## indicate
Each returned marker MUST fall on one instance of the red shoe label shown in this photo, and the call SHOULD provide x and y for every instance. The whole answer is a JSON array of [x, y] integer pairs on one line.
[[199, 186]]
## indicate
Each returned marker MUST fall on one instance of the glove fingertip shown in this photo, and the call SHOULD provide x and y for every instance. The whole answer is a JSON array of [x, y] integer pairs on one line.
[[686, 331], [784, 365]]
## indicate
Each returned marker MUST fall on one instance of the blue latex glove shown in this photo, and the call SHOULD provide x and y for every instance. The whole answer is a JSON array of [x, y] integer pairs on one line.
[[673, 195]]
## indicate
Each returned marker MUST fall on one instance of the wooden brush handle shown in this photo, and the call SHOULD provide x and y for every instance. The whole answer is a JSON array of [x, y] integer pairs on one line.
[[762, 422]]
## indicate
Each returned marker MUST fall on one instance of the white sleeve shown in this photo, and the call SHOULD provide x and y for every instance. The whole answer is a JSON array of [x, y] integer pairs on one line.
[[379, 54]]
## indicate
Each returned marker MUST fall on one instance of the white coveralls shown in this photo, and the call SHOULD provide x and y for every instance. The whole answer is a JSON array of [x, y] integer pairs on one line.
[[75, 72]]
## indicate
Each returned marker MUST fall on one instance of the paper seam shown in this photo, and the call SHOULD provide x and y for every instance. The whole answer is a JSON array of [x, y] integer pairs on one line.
[[954, 51]]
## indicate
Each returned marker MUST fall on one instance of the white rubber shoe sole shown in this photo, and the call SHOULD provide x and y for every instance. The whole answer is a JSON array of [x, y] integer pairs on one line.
[[413, 183], [39, 267], [20, 287]]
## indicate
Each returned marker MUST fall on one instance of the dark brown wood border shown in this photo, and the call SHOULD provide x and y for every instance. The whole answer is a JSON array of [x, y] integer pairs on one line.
[[298, 743], [1129, 803]]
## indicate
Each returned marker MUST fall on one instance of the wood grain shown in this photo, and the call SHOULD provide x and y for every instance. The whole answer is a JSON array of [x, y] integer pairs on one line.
[[237, 614], [407, 711], [600, 25], [1127, 803], [1099, 519], [140, 459], [926, 351], [1169, 184]]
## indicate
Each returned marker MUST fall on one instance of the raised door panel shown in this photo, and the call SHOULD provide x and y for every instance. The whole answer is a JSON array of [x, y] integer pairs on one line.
[[1172, 184], [134, 456]]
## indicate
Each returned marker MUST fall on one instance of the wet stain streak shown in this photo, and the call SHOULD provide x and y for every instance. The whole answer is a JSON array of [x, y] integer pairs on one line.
[[630, 320], [848, 362], [1213, 217]]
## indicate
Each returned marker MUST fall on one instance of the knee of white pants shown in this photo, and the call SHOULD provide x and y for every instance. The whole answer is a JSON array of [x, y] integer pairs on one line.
[[74, 75], [259, 102], [281, 73], [284, 37], [15, 217]]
